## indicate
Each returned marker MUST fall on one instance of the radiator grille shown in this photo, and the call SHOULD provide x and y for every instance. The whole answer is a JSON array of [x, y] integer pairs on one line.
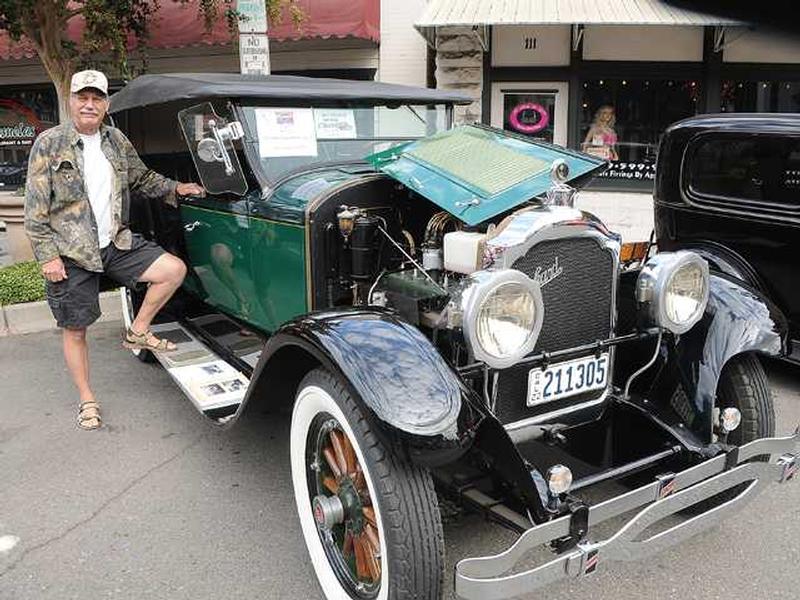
[[577, 309]]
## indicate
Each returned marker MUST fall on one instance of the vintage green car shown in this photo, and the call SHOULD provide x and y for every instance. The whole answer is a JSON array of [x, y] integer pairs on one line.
[[443, 323]]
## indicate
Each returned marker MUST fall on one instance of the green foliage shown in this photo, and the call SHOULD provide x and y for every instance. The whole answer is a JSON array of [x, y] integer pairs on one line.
[[22, 282]]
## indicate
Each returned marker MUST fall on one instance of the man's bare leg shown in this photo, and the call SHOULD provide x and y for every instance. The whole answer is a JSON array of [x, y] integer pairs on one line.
[[165, 276], [76, 355]]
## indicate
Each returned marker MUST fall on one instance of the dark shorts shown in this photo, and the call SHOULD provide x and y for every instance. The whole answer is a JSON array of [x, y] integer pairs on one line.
[[75, 301]]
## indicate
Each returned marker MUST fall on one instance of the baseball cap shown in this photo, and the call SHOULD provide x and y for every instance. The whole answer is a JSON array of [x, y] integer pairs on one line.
[[88, 79]]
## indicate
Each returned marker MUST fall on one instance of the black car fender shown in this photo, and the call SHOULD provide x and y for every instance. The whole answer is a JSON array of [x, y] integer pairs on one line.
[[401, 381], [737, 319]]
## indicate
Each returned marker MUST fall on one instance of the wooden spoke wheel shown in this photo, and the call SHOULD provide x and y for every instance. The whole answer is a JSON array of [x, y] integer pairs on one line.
[[343, 508], [370, 521]]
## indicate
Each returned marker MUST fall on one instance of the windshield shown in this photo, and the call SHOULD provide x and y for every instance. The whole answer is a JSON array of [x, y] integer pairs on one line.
[[288, 140]]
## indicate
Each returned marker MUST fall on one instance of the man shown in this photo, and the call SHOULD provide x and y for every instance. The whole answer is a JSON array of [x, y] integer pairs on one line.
[[77, 199]]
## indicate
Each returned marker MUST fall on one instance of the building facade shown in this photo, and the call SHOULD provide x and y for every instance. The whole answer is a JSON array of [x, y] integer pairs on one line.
[[605, 77]]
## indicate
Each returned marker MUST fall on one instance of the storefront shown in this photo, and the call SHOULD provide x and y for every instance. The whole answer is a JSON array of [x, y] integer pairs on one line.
[[606, 78], [338, 38], [24, 114]]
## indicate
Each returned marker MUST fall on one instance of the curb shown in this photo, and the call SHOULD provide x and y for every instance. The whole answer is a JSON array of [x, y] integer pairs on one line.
[[31, 317]]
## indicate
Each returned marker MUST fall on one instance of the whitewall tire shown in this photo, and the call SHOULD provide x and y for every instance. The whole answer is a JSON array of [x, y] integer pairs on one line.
[[341, 472]]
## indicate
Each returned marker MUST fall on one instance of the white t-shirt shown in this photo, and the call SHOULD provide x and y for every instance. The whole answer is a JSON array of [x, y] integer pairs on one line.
[[97, 179]]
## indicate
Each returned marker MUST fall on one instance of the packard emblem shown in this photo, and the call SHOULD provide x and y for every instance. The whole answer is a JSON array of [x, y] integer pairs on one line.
[[545, 276]]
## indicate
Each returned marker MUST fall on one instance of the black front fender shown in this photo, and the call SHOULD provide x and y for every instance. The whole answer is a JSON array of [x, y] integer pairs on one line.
[[738, 319], [394, 371]]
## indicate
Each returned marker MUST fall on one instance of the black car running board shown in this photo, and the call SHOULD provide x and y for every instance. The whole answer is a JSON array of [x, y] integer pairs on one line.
[[213, 384]]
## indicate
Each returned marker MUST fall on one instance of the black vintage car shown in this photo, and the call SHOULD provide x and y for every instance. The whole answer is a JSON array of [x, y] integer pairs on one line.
[[729, 189], [443, 323]]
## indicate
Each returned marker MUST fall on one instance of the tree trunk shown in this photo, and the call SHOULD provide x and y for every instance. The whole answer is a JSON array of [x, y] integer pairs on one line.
[[46, 30], [61, 75]]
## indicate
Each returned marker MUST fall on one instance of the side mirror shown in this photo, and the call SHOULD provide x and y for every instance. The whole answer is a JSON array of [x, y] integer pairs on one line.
[[231, 131], [209, 151]]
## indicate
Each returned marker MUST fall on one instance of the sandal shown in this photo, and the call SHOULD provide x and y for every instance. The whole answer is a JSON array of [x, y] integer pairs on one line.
[[147, 341], [89, 415]]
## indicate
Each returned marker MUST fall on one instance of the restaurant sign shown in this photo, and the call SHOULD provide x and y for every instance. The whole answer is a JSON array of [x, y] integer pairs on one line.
[[19, 125]]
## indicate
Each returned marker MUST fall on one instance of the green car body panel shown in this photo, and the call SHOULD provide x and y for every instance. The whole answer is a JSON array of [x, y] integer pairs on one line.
[[249, 266]]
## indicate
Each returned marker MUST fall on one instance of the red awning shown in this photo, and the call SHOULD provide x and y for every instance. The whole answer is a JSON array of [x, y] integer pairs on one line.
[[332, 19], [179, 26]]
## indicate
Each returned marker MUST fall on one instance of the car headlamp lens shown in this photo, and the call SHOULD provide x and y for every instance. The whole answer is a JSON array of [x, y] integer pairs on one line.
[[505, 319], [673, 290], [685, 293], [502, 316]]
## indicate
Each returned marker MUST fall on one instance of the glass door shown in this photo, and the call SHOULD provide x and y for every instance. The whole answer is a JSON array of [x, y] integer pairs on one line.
[[535, 109]]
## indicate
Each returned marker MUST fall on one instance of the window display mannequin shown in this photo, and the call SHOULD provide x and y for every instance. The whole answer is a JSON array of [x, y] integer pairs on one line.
[[601, 139]]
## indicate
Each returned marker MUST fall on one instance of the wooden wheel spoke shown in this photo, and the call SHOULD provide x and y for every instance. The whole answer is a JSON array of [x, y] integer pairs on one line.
[[360, 482], [373, 563], [338, 440], [372, 536], [331, 460], [350, 456], [361, 558], [369, 515], [347, 546], [330, 483]]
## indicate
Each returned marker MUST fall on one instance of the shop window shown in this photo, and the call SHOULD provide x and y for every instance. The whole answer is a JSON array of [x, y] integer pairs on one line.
[[746, 169], [530, 113], [622, 121], [760, 96], [23, 115]]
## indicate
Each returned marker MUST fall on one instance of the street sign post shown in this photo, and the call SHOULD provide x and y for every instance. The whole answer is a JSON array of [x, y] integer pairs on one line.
[[253, 39], [254, 54]]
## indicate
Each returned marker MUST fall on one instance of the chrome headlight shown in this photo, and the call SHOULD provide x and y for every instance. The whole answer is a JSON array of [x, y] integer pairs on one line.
[[673, 290], [502, 316]]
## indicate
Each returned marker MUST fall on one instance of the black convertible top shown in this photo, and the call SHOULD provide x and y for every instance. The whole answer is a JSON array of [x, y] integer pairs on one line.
[[147, 90]]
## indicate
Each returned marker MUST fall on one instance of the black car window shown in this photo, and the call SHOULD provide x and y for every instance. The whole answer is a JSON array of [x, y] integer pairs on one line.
[[764, 169]]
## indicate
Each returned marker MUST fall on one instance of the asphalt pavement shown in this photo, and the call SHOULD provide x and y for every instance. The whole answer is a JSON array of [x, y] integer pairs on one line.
[[160, 505]]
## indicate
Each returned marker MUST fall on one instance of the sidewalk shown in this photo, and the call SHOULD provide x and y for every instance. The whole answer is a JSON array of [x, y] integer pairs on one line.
[[31, 317], [629, 214]]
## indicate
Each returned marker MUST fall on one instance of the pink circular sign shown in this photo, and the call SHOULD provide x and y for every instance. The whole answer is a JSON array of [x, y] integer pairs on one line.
[[541, 123]]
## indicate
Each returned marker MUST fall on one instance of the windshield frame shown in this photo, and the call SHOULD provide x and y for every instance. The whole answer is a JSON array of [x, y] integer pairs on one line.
[[250, 147]]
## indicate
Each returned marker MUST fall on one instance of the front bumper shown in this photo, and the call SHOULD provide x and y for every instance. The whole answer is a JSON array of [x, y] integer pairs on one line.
[[486, 578]]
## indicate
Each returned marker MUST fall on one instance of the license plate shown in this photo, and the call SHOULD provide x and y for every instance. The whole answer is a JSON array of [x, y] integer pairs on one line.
[[567, 379]]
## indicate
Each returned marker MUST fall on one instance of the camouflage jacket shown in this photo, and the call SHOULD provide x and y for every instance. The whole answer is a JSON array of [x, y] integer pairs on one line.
[[58, 217]]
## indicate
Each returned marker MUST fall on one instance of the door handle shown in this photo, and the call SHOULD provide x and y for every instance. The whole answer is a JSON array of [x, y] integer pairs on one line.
[[191, 226]]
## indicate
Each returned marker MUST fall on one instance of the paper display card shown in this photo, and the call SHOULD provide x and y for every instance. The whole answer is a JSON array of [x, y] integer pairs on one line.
[[335, 123], [286, 132], [213, 383]]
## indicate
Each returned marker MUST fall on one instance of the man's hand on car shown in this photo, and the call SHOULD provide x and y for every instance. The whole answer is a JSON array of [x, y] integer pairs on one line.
[[189, 189], [53, 270]]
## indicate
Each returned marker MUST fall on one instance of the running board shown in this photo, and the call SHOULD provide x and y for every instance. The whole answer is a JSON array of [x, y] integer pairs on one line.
[[215, 387]]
